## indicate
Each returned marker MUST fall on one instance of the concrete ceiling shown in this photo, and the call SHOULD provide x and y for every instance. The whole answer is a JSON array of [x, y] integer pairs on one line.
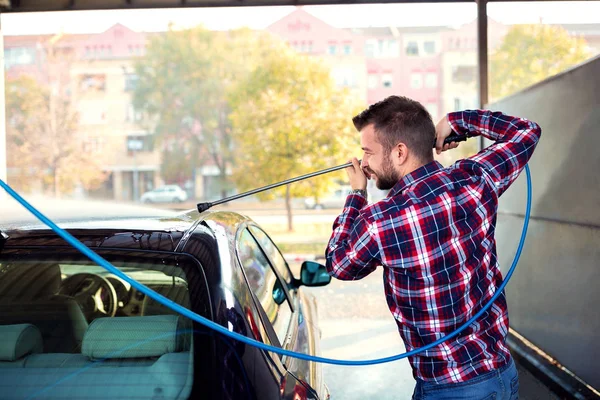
[[65, 5]]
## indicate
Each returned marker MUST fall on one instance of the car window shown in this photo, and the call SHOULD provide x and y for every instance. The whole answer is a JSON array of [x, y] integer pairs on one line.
[[272, 252], [265, 284], [90, 320]]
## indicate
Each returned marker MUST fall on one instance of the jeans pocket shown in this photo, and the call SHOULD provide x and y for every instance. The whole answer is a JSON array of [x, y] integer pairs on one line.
[[514, 388]]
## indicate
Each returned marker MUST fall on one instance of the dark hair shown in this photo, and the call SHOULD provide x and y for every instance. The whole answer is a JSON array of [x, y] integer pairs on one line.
[[399, 119]]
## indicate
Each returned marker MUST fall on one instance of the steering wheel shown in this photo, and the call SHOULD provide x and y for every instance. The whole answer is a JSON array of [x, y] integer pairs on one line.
[[96, 295]]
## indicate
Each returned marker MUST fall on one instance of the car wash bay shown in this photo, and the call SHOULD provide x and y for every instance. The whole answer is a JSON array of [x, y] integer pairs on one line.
[[553, 294]]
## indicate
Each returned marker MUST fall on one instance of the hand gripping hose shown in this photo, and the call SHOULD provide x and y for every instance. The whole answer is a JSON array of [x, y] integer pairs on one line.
[[220, 329]]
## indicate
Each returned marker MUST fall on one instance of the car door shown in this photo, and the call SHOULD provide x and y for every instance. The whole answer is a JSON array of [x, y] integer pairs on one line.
[[165, 196], [271, 291], [304, 334], [158, 194]]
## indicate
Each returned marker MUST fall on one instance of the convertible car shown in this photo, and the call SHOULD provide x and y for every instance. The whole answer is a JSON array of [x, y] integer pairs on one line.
[[69, 329]]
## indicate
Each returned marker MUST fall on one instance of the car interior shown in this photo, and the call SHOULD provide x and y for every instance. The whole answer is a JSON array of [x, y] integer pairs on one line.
[[74, 331]]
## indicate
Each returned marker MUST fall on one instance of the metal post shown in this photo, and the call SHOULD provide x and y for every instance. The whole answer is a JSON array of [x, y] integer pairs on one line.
[[3, 160], [135, 178], [482, 53]]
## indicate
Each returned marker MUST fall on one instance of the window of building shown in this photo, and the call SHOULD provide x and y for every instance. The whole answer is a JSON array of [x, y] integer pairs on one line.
[[370, 48], [347, 49], [429, 47], [18, 56], [412, 49], [464, 74], [431, 80], [132, 115], [372, 81], [131, 81], [386, 80], [416, 80], [332, 49], [344, 76], [264, 283], [140, 143], [381, 46], [393, 49], [456, 104], [92, 83], [93, 144]]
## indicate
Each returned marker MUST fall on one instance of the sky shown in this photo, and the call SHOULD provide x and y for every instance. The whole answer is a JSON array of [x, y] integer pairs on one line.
[[432, 14]]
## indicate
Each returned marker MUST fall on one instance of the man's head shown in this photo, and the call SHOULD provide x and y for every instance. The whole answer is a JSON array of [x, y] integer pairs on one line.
[[397, 136]]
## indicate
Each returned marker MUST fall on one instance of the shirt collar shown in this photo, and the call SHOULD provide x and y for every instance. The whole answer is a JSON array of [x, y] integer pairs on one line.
[[416, 175]]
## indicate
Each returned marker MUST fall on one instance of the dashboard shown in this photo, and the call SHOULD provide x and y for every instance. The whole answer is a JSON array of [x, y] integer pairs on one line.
[[131, 302]]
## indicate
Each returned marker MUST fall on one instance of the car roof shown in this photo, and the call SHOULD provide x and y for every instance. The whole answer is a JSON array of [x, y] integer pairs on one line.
[[93, 219]]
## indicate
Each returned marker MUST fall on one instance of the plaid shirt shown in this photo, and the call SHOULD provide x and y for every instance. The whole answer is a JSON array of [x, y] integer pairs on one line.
[[434, 237]]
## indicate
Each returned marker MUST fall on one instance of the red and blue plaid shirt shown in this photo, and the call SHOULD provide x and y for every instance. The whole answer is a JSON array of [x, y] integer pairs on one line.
[[434, 237]]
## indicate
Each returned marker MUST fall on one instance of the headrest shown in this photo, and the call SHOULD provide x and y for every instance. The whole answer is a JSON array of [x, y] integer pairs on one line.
[[131, 337], [30, 281], [18, 341]]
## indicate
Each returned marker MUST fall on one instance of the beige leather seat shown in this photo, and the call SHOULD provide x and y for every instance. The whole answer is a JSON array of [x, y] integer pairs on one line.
[[28, 295]]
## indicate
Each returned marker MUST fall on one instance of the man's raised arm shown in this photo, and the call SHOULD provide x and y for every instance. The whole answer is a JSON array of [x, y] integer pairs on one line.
[[514, 141]]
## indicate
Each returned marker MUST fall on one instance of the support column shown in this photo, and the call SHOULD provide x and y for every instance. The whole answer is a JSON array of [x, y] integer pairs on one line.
[[482, 56], [118, 185]]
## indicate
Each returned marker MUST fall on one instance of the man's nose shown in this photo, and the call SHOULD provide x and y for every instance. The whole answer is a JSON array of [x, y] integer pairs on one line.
[[364, 163]]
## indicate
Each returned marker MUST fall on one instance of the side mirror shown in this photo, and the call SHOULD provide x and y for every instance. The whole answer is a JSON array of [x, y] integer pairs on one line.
[[314, 274]]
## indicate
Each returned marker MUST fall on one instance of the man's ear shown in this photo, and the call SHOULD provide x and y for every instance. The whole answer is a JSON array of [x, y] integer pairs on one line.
[[400, 154]]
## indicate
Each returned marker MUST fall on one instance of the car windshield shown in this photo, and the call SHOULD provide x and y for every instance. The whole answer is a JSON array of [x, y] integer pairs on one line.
[[70, 329]]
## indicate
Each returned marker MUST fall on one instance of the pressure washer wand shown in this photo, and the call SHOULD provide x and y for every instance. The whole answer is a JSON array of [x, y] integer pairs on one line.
[[205, 206]]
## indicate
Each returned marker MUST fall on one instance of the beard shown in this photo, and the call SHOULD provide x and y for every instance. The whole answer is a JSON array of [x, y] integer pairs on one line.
[[387, 178]]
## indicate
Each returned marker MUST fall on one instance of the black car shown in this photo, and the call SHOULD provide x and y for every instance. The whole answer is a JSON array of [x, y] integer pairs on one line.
[[69, 329]]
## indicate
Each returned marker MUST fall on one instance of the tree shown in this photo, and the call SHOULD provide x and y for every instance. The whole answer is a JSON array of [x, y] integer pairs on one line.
[[290, 119], [531, 53], [42, 138], [183, 84]]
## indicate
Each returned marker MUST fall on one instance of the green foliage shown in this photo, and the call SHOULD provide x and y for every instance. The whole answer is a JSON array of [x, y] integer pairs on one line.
[[183, 84], [289, 119], [532, 53]]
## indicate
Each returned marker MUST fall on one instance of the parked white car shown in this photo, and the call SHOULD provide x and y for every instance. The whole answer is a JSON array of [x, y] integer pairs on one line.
[[337, 199], [165, 194], [332, 200]]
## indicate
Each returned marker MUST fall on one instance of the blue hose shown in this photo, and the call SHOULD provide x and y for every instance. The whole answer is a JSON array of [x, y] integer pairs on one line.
[[220, 329]]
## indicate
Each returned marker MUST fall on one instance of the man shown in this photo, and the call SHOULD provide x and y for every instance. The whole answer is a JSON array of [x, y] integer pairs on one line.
[[434, 237]]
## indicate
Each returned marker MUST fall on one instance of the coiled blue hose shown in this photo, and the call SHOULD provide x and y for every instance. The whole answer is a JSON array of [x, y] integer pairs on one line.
[[220, 329]]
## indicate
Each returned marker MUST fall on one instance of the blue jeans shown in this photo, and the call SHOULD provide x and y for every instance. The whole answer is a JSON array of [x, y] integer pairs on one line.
[[501, 384]]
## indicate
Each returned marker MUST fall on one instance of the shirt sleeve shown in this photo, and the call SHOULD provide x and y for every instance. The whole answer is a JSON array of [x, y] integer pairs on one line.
[[514, 141], [352, 252]]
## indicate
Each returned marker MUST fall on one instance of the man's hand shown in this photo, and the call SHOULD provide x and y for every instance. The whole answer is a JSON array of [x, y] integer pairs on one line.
[[442, 131], [357, 177]]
